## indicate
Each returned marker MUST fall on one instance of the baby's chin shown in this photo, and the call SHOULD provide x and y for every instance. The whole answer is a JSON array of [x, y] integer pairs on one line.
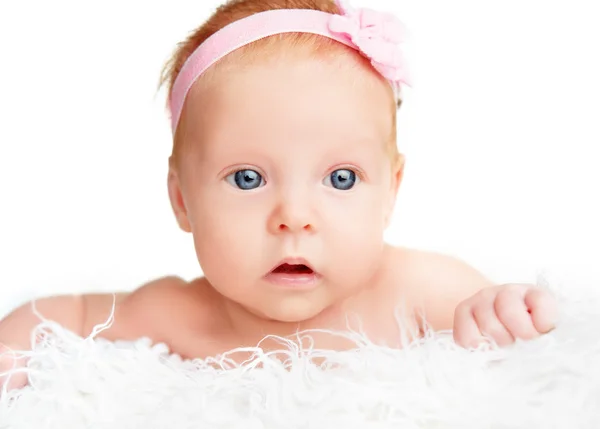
[[293, 310]]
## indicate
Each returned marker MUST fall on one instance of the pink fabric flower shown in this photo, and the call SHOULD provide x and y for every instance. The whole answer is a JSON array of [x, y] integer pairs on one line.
[[377, 35]]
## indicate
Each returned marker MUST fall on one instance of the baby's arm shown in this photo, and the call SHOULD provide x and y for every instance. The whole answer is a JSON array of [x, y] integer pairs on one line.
[[456, 296], [16, 328], [443, 282], [77, 313]]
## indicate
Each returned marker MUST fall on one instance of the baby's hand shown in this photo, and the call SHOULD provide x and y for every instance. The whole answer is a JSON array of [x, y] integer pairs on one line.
[[8, 362], [505, 313]]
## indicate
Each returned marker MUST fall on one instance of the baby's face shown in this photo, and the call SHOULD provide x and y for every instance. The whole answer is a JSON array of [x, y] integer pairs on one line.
[[287, 161]]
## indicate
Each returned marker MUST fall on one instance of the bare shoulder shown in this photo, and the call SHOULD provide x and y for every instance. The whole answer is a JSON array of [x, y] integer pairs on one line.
[[152, 310], [434, 283]]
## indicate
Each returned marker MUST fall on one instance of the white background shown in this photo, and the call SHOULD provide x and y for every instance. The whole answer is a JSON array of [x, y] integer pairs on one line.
[[500, 132]]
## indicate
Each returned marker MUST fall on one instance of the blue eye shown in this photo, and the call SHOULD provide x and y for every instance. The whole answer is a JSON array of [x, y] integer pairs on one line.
[[342, 179], [245, 179]]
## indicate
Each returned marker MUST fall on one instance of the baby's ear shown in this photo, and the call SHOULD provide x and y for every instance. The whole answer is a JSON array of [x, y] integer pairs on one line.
[[396, 180], [177, 203], [398, 173]]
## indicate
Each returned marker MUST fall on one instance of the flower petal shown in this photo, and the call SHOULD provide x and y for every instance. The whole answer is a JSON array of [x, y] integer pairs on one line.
[[376, 36]]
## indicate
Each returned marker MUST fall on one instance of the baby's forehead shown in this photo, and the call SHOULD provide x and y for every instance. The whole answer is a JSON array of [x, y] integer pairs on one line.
[[307, 98], [307, 132]]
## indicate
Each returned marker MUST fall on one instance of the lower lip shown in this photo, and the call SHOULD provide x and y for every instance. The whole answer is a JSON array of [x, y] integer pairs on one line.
[[296, 281]]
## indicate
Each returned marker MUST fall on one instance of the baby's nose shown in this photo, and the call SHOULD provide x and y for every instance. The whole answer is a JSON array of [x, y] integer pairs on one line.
[[293, 215], [295, 226]]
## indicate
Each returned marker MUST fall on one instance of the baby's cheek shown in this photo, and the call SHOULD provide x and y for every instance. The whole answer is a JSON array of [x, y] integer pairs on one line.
[[361, 221], [227, 247], [356, 251]]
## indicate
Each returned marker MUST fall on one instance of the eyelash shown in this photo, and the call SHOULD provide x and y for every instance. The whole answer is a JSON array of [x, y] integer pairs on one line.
[[360, 173], [242, 168]]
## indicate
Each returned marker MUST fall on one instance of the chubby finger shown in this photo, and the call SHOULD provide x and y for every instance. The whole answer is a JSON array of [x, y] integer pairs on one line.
[[543, 308], [490, 325], [466, 333], [513, 313]]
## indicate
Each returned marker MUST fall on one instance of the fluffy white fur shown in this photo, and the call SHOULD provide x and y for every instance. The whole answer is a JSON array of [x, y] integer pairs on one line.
[[85, 383]]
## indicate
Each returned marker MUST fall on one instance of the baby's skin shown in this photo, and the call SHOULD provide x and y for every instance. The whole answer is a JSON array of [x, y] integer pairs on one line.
[[285, 171]]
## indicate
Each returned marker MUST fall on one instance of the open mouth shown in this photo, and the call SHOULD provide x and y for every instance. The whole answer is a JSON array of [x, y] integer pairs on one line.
[[295, 275], [293, 269]]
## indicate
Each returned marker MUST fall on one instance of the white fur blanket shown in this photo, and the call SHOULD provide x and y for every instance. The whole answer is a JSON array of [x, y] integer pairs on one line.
[[552, 382]]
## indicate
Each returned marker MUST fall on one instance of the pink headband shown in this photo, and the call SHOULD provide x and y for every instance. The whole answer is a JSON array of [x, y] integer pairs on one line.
[[375, 35]]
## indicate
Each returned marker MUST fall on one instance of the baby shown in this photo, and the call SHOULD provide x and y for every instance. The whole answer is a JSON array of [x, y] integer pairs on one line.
[[285, 171]]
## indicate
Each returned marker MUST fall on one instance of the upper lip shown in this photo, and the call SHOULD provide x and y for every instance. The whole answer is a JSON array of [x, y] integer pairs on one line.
[[293, 261]]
